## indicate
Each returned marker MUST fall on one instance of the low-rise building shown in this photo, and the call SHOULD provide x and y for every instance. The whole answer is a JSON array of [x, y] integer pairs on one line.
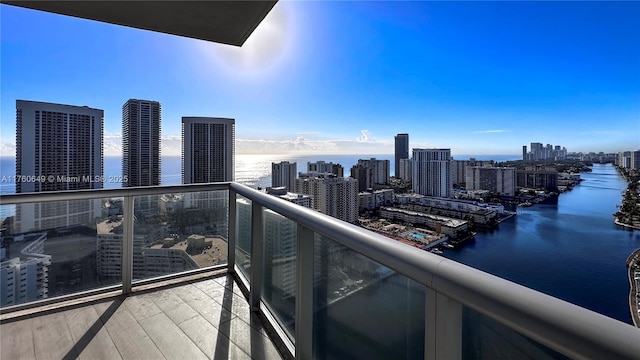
[[441, 224]]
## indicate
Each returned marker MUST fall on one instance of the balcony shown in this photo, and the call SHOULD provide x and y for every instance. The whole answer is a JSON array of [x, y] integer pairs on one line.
[[271, 279]]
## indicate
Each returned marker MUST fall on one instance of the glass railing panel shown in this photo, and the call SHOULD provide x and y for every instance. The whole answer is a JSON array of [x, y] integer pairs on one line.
[[243, 235], [51, 249], [178, 232], [279, 268], [485, 338], [363, 310]]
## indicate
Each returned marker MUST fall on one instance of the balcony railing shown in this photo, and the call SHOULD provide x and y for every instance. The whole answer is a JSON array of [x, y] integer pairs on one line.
[[330, 289]]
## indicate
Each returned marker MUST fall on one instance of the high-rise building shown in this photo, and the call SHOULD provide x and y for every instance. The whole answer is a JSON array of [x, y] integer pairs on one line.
[[208, 146], [432, 172], [207, 149], [284, 174], [141, 143], [58, 147], [405, 169], [337, 197], [524, 153], [379, 174], [496, 179], [459, 169], [322, 167], [401, 151], [361, 174]]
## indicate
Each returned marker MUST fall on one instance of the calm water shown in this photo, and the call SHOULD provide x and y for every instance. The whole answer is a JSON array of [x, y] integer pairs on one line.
[[572, 251]]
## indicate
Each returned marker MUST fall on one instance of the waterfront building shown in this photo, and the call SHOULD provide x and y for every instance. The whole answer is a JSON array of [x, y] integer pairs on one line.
[[432, 172], [25, 277], [141, 143], [537, 177], [540, 152], [401, 152], [322, 167], [629, 159], [284, 174], [441, 224], [208, 155], [500, 180], [58, 147], [337, 197], [459, 169], [207, 149], [405, 169]]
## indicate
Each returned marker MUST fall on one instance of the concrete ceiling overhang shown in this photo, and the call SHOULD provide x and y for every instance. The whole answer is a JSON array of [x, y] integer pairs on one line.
[[227, 22]]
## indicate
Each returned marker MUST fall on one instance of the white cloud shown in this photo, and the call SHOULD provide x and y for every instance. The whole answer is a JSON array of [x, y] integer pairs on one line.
[[8, 149]]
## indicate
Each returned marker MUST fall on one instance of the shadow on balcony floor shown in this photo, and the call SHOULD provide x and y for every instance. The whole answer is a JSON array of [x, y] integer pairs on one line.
[[206, 319]]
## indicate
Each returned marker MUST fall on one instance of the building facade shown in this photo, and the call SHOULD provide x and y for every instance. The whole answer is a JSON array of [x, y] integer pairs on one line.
[[500, 180], [406, 167], [58, 147], [207, 149], [25, 278], [337, 197], [141, 143], [432, 172], [401, 151], [284, 174]]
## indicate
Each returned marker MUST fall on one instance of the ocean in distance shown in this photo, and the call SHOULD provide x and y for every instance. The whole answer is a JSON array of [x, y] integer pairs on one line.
[[251, 170]]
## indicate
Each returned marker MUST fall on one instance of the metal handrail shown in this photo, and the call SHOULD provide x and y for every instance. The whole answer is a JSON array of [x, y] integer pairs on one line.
[[567, 328], [87, 194], [564, 327]]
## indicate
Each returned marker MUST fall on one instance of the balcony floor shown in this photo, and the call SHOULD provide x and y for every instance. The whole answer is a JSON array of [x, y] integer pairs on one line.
[[206, 319]]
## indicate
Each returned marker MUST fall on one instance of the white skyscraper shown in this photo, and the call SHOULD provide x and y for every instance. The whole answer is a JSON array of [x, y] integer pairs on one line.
[[432, 172], [284, 174], [58, 147]]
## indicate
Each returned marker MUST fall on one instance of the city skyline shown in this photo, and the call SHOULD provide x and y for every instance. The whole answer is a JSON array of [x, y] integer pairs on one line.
[[479, 78]]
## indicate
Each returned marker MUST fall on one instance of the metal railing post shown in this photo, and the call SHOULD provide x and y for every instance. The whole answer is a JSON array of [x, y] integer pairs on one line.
[[256, 256], [231, 235], [304, 293], [127, 244], [443, 326]]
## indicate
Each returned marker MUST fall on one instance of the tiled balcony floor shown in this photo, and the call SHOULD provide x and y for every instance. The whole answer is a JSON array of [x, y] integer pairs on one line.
[[207, 319]]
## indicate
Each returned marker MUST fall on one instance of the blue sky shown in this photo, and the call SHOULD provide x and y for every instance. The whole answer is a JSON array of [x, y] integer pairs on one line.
[[346, 76]]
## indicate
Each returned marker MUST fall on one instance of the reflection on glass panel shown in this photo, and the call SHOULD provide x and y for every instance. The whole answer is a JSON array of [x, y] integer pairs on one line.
[[179, 232], [279, 273], [485, 338], [49, 249], [243, 233], [363, 309]]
